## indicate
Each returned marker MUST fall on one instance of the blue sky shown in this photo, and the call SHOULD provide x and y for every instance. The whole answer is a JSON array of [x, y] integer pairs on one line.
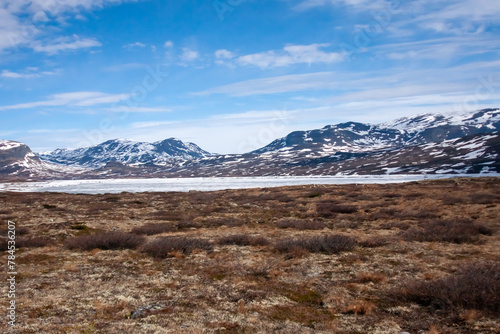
[[232, 75]]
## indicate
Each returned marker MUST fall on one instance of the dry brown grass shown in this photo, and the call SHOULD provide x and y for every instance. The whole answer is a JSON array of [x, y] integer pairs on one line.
[[420, 257]]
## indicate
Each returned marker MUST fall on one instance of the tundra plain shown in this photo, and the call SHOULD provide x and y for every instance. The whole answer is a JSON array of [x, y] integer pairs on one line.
[[417, 257]]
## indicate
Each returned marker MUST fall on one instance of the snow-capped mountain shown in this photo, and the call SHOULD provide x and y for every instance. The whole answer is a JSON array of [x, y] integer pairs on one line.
[[352, 137], [471, 154], [127, 152], [432, 143], [431, 128], [344, 137], [17, 159]]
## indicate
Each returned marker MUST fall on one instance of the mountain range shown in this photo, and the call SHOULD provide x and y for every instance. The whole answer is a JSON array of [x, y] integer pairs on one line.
[[431, 143], [166, 152]]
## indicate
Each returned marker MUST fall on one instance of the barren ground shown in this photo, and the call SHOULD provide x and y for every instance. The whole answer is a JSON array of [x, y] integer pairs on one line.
[[420, 257]]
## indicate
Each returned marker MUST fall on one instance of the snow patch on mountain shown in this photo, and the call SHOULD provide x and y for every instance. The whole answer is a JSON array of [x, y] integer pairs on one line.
[[127, 152]]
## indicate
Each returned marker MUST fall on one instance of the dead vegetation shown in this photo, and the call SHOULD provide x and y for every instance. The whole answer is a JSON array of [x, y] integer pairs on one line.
[[420, 257]]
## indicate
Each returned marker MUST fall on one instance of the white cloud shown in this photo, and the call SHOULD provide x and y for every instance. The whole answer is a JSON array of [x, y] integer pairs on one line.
[[60, 7], [64, 44], [290, 55], [28, 73], [20, 19], [439, 48], [71, 99], [188, 55], [134, 45], [168, 44], [446, 17], [224, 54]]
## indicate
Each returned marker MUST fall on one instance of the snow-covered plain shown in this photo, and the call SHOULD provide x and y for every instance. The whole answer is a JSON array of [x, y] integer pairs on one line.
[[207, 184]]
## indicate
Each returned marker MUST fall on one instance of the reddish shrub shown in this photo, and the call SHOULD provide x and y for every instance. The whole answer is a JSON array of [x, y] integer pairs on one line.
[[475, 286], [453, 231], [328, 244], [108, 240], [163, 246], [327, 209]]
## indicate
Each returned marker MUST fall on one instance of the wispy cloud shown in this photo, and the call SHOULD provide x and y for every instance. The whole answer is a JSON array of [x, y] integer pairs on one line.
[[289, 55], [77, 99], [134, 45], [439, 48], [66, 43], [20, 23], [458, 17], [28, 73], [139, 109]]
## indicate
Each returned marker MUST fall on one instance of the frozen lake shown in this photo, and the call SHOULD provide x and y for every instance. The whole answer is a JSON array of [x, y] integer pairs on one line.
[[206, 184]]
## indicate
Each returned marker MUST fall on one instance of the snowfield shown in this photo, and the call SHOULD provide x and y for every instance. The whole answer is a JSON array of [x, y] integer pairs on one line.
[[208, 184]]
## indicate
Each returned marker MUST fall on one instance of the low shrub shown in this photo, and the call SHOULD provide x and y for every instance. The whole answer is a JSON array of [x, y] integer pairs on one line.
[[108, 240], [452, 200], [484, 198], [163, 246], [32, 242], [328, 244], [152, 228], [384, 213], [373, 242], [25, 242], [327, 209], [243, 240], [22, 230], [454, 231], [301, 224], [476, 286]]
